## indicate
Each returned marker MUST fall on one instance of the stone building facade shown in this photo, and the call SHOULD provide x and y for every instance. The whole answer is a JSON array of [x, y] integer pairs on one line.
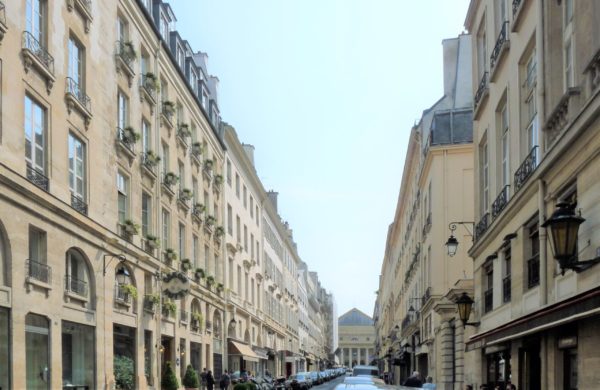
[[356, 342], [112, 176]]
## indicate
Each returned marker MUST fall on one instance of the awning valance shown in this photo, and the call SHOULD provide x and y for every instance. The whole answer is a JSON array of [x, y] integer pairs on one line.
[[261, 353], [237, 348]]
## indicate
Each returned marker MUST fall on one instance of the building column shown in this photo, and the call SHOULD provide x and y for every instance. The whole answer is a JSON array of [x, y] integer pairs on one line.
[[445, 345]]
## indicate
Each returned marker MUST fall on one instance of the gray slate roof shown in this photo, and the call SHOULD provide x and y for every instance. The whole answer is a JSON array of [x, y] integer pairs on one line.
[[355, 317]]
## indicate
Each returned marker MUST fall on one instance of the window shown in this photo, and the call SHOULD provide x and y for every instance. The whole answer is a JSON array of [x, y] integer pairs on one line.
[[481, 50], [180, 56], [488, 301], [529, 87], [505, 163], [193, 81], [500, 14], [484, 180], [229, 220], [237, 185], [144, 63], [246, 238], [77, 167], [146, 140], [195, 251], [251, 207], [206, 204], [252, 290], [239, 280], [37, 350], [245, 196], [257, 254], [206, 257], [181, 175], [252, 246], [146, 214], [506, 280], [35, 135], [569, 76], [238, 226], [182, 241], [165, 158], [229, 172], [122, 29], [35, 16], [123, 110], [194, 190], [37, 245], [166, 228], [230, 268], [256, 214], [75, 66], [246, 295], [533, 261], [164, 26], [123, 197], [179, 113]]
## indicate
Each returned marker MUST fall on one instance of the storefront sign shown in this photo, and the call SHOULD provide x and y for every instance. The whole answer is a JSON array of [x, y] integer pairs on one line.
[[567, 342], [176, 285]]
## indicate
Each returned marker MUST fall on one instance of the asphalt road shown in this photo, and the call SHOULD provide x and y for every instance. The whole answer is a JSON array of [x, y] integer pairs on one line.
[[329, 385]]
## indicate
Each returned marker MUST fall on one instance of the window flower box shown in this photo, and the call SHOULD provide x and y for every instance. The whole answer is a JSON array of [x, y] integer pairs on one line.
[[131, 227]]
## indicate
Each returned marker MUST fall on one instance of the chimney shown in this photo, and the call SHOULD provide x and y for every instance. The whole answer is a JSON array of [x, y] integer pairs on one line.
[[273, 198], [249, 149], [450, 50]]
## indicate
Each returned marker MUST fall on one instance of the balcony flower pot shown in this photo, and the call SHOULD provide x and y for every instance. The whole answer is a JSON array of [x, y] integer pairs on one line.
[[152, 241], [186, 194], [169, 308], [196, 149], [210, 220], [128, 51], [186, 264], [210, 280], [171, 179], [220, 231], [154, 299], [218, 180], [208, 164], [220, 287], [168, 107], [184, 130], [199, 274], [199, 208], [130, 136], [197, 320], [170, 254], [152, 158], [130, 290], [131, 227], [151, 81]]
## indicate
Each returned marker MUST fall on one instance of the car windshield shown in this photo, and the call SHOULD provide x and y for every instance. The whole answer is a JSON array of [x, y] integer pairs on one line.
[[366, 371]]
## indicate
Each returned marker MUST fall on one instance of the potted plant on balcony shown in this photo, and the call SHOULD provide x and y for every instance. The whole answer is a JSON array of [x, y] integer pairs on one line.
[[186, 194], [130, 136], [168, 108], [219, 231], [197, 320], [131, 227], [199, 274], [151, 81], [196, 149], [130, 290], [169, 308], [220, 287], [151, 158], [190, 380], [171, 179], [186, 264], [170, 254], [169, 380], [208, 164], [218, 180], [184, 131], [210, 280], [128, 52], [154, 299], [152, 241], [210, 220], [199, 208]]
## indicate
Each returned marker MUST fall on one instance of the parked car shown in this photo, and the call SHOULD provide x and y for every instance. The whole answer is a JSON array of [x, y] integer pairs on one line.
[[297, 382], [366, 370], [316, 378]]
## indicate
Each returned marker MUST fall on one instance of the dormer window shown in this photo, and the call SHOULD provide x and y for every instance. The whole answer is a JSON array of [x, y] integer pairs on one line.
[[164, 25], [180, 56], [204, 99], [194, 81]]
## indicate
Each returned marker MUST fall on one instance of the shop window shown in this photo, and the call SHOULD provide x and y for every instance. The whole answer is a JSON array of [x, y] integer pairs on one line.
[[148, 347], [78, 355], [124, 351], [37, 351]]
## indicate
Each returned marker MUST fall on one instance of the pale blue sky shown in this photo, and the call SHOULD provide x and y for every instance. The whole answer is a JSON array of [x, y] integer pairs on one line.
[[327, 92]]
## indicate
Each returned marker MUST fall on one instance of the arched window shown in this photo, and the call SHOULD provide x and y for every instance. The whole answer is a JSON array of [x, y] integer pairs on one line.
[[231, 329], [217, 324], [77, 277], [197, 318]]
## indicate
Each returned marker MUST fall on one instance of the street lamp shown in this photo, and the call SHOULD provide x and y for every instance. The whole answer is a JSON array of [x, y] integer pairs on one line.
[[122, 275], [564, 228], [465, 304], [452, 243]]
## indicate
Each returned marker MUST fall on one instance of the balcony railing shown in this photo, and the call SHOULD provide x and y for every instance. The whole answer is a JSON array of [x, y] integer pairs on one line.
[[482, 89], [38, 178], [2, 13], [526, 168], [488, 301], [501, 201], [499, 46], [75, 285], [149, 85], [482, 226], [74, 89], [125, 139], [516, 7], [121, 295], [183, 316], [533, 271], [35, 47], [506, 288], [78, 204], [125, 52], [38, 271]]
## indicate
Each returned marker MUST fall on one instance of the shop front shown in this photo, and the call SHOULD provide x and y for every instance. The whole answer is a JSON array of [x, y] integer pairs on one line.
[[124, 353], [263, 356], [242, 357], [78, 355]]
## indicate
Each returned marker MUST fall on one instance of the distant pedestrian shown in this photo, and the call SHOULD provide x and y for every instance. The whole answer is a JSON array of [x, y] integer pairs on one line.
[[414, 380], [429, 384], [225, 380], [203, 379], [210, 381]]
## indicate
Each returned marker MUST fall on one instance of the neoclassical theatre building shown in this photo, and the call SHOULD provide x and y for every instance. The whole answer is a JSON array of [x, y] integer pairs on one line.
[[113, 176]]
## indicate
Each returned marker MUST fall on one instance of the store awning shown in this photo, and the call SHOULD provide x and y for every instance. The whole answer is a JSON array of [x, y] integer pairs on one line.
[[237, 348], [261, 353]]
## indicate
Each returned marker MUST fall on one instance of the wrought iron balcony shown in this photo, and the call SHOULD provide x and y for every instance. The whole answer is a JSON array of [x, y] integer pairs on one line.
[[78, 204], [75, 286], [2, 13], [526, 168], [77, 92], [488, 300], [149, 86], [533, 271], [501, 44], [126, 53], [125, 139], [482, 226], [38, 271], [31, 44], [38, 178], [501, 201], [516, 7], [121, 296], [506, 289], [482, 91]]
